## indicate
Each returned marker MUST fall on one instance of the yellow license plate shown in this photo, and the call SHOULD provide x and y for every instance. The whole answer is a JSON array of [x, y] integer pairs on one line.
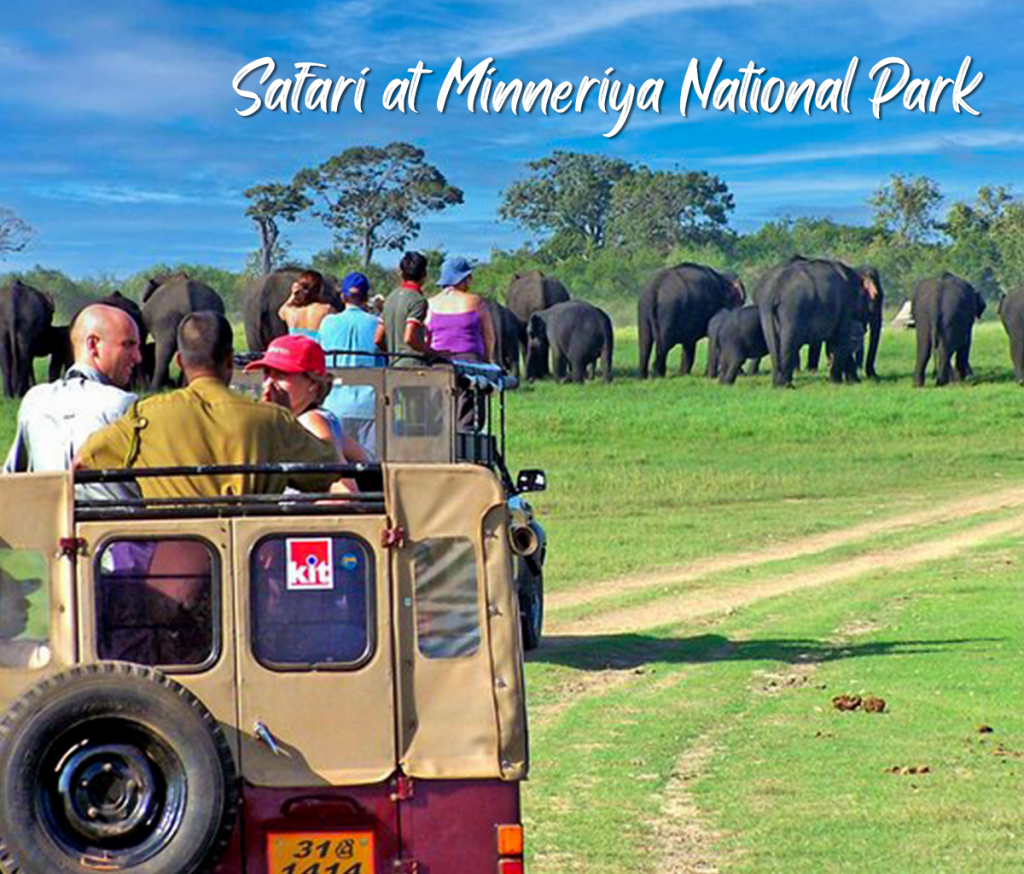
[[320, 853]]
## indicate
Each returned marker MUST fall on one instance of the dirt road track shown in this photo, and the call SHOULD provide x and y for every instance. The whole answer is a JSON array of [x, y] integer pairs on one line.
[[948, 511], [713, 600]]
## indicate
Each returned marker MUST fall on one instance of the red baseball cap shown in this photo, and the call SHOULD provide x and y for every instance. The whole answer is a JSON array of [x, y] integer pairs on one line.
[[292, 353]]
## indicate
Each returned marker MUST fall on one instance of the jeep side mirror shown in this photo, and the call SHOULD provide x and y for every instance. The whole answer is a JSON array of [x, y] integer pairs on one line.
[[531, 481]]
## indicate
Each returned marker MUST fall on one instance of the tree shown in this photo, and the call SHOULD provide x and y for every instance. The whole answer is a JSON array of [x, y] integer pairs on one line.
[[272, 203], [906, 208], [568, 196], [667, 209], [371, 197], [15, 233], [975, 251]]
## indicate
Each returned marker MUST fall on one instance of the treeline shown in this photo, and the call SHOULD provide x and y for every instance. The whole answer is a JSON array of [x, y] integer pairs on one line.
[[602, 225]]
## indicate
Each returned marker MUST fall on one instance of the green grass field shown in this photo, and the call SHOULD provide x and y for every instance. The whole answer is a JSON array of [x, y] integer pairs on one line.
[[664, 741], [725, 560]]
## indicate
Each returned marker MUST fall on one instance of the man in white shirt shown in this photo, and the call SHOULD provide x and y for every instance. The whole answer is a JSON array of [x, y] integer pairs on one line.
[[56, 418]]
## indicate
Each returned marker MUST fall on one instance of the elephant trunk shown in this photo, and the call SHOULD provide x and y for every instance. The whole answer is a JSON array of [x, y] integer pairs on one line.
[[875, 327]]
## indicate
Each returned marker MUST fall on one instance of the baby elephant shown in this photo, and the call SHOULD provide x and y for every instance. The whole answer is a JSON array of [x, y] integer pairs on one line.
[[733, 337], [575, 334]]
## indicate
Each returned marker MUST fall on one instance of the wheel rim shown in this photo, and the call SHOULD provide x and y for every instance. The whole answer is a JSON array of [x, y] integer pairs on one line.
[[117, 804], [108, 791]]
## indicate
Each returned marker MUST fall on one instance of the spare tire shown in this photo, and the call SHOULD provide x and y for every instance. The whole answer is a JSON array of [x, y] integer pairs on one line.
[[113, 767]]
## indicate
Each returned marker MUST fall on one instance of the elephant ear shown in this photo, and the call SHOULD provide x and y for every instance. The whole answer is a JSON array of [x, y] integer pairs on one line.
[[868, 285]]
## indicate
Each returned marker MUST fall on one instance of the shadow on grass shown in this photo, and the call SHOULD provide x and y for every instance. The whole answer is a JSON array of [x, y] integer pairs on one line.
[[625, 651]]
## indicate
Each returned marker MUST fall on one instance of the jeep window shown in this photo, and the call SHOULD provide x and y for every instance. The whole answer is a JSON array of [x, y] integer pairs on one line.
[[24, 609], [311, 601], [156, 601], [447, 612], [419, 411]]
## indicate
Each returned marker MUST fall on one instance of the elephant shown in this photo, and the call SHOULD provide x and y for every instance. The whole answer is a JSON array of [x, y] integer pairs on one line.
[[944, 310], [1011, 312], [263, 298], [576, 334], [675, 309], [529, 294], [26, 321], [813, 301], [507, 330], [165, 302], [734, 335], [873, 327]]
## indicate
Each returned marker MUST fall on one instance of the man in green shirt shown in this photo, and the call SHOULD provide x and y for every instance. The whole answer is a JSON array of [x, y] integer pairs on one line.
[[403, 328], [207, 423]]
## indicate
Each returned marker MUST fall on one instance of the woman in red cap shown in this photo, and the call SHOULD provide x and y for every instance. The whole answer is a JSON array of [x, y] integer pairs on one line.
[[295, 377]]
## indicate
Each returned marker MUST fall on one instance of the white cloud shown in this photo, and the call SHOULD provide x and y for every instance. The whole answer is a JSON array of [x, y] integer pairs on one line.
[[925, 144], [83, 192]]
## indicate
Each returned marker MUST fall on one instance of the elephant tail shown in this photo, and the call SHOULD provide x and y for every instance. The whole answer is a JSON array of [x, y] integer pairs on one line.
[[772, 333], [609, 348], [646, 322], [935, 324]]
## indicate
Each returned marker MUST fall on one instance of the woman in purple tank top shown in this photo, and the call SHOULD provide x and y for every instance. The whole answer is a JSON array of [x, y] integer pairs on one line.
[[459, 325]]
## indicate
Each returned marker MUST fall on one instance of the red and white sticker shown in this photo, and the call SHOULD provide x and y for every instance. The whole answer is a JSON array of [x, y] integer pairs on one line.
[[308, 562]]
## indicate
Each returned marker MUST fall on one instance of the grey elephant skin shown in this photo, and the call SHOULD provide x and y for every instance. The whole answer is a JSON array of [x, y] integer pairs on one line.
[[944, 311], [734, 336], [530, 294], [873, 327], [264, 296], [575, 334], [1011, 313], [675, 308], [507, 332], [26, 319], [809, 302], [165, 302]]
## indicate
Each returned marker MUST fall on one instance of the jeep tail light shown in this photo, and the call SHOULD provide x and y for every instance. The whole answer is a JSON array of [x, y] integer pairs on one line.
[[510, 841], [510, 866]]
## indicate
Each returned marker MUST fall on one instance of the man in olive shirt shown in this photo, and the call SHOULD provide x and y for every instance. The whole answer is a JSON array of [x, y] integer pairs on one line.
[[403, 328], [207, 423]]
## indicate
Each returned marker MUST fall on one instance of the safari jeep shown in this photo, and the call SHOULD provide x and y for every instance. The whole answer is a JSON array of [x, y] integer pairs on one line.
[[306, 684], [449, 413]]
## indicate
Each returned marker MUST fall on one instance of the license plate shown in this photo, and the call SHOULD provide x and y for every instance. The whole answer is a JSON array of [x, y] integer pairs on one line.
[[320, 853]]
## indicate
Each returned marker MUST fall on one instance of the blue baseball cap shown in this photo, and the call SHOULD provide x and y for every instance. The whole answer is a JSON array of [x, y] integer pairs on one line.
[[355, 282], [454, 270]]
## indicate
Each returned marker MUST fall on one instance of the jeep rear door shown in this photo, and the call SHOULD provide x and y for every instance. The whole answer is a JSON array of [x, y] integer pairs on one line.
[[316, 699]]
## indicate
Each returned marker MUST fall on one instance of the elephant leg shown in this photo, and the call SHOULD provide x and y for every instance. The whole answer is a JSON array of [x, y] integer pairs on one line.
[[789, 350], [755, 366], [23, 368], [7, 363], [1017, 356], [924, 351], [581, 370], [813, 357], [943, 369], [661, 350], [162, 369], [963, 361], [560, 362], [688, 356], [730, 369]]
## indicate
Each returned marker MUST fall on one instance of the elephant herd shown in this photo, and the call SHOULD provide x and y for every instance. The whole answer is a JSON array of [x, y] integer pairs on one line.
[[810, 302], [816, 303]]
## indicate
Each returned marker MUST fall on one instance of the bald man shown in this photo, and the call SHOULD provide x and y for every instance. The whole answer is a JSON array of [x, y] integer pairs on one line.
[[56, 417]]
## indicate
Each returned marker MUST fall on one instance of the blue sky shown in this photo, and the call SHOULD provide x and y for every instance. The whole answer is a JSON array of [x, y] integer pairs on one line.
[[122, 146]]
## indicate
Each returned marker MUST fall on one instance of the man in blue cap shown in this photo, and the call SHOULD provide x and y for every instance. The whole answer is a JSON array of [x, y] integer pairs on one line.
[[352, 336]]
